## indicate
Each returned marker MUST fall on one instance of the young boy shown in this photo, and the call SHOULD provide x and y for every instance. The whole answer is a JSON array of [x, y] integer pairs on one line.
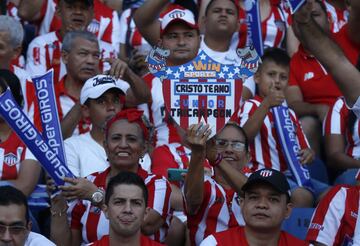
[[258, 122]]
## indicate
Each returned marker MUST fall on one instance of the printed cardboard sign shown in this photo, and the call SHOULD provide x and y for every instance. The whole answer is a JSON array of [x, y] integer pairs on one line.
[[202, 89]]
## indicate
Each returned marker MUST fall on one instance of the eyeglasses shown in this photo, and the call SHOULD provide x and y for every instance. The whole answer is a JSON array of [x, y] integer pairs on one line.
[[13, 230], [235, 145]]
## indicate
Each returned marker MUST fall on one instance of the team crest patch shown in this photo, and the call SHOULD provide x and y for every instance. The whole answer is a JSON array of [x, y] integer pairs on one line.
[[10, 159]]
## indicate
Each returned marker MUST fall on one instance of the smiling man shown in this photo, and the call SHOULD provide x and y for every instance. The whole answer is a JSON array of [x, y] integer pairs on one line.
[[125, 207], [265, 204]]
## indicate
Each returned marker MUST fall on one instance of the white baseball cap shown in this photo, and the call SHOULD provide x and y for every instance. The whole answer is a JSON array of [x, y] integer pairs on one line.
[[178, 14], [99, 84]]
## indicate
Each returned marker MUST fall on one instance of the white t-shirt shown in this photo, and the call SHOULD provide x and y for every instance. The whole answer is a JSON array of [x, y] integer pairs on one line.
[[35, 239], [228, 57], [84, 155]]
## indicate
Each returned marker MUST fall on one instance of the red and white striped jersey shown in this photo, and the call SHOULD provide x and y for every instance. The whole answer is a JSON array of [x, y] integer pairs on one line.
[[174, 155], [266, 150], [129, 33], [92, 221], [166, 156], [105, 24], [12, 152], [26, 82], [165, 131], [219, 211], [44, 52], [336, 122], [273, 28], [144, 241], [237, 236], [334, 220], [337, 17], [12, 10]]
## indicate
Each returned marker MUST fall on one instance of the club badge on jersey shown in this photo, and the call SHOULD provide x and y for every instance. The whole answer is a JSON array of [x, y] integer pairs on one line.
[[202, 89]]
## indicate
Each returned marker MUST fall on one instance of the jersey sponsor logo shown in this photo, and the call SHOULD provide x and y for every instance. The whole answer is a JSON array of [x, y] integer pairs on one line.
[[316, 226], [308, 75], [11, 159]]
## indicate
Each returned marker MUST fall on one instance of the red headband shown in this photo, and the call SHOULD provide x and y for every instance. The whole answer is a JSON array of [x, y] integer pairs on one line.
[[132, 116]]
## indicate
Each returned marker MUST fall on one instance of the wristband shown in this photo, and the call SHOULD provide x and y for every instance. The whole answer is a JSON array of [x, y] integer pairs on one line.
[[217, 161]]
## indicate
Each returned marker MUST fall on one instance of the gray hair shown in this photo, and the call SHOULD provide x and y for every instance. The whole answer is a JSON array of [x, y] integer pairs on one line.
[[71, 36], [14, 28]]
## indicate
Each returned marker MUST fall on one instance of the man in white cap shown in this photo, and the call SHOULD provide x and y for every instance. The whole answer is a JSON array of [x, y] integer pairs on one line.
[[265, 204], [101, 98], [80, 54]]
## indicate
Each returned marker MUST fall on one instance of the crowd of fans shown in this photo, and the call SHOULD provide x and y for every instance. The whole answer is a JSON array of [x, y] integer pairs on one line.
[[119, 142]]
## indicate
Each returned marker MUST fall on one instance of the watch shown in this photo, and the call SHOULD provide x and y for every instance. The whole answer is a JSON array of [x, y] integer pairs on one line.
[[98, 196]]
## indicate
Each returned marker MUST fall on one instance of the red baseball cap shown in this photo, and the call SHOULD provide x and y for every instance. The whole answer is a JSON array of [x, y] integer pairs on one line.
[[175, 14]]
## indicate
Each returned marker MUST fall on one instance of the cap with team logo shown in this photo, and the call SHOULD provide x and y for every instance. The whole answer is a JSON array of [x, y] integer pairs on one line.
[[177, 14], [99, 84], [270, 176]]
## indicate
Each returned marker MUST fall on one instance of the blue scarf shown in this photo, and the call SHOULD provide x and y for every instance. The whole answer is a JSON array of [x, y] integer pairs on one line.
[[19, 122], [288, 141], [49, 116]]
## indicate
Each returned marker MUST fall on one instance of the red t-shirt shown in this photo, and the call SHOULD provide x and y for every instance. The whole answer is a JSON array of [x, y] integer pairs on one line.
[[351, 49], [236, 236], [144, 241], [316, 85]]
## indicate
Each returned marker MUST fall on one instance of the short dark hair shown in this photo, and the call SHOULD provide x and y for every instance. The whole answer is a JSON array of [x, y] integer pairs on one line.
[[10, 195], [9, 79], [128, 178], [212, 2], [277, 55]]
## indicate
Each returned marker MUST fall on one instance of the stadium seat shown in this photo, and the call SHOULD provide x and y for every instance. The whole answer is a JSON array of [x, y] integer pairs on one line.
[[297, 224]]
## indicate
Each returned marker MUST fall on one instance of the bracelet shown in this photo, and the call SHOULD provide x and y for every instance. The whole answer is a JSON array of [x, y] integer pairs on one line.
[[58, 213], [217, 161]]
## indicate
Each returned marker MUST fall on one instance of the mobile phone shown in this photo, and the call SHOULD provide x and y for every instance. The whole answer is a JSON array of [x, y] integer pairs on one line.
[[175, 174]]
